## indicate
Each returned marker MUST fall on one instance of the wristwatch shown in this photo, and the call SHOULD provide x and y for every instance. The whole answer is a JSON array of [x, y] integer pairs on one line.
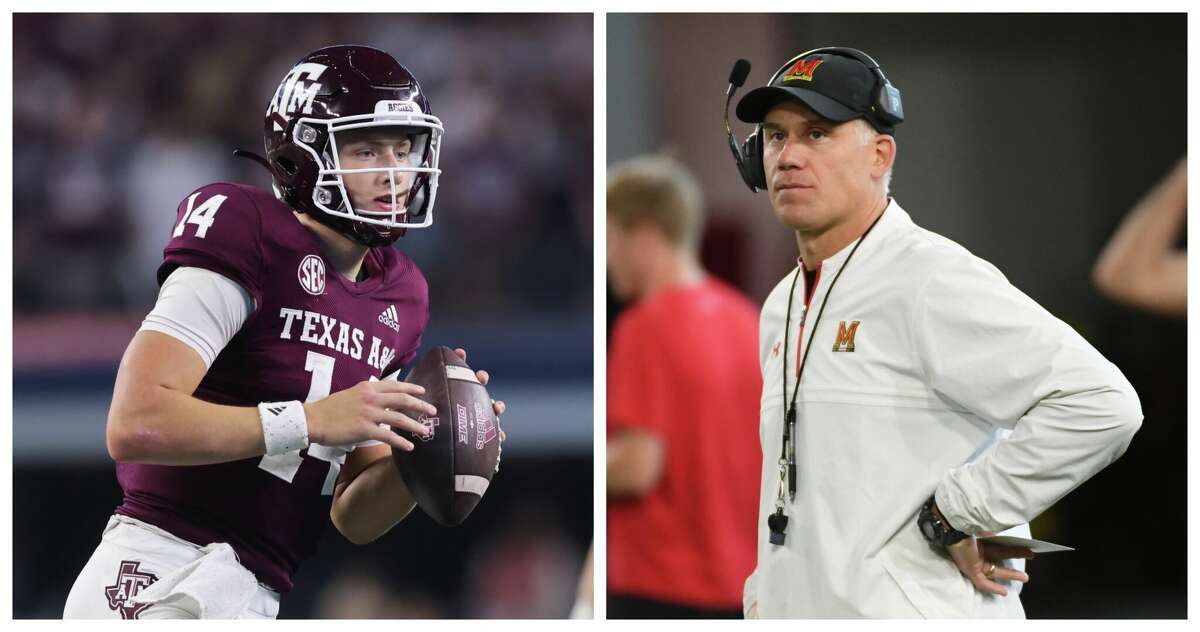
[[937, 530]]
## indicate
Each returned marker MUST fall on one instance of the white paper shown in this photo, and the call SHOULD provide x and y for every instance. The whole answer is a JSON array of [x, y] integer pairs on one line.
[[1037, 546]]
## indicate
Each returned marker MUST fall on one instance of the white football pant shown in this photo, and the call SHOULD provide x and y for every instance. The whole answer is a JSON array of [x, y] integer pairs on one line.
[[201, 582]]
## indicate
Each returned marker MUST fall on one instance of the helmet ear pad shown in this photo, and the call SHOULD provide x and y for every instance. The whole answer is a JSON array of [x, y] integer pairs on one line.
[[293, 167], [419, 196], [752, 161]]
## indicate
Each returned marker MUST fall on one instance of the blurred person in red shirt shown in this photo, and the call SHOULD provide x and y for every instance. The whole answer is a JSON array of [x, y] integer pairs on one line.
[[683, 403]]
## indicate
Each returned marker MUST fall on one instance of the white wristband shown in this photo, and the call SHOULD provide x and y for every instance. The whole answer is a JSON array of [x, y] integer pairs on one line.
[[285, 428]]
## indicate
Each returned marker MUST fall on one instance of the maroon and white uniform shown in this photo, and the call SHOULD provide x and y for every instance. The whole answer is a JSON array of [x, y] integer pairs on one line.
[[312, 332], [246, 286]]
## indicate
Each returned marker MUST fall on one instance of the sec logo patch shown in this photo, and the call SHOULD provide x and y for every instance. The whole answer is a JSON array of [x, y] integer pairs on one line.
[[312, 275]]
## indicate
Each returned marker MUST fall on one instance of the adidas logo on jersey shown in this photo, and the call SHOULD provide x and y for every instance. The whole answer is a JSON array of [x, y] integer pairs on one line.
[[390, 318]]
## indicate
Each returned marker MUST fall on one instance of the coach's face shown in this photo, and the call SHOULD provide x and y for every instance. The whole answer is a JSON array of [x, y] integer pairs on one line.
[[819, 172]]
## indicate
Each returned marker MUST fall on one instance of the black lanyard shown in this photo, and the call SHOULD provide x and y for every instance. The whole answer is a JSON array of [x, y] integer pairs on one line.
[[777, 522]]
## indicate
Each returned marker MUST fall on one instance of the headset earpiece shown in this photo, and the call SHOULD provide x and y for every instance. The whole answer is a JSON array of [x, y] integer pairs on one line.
[[751, 166]]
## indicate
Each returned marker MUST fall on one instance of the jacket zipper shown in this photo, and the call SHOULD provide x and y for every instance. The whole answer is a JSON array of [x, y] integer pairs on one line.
[[808, 296]]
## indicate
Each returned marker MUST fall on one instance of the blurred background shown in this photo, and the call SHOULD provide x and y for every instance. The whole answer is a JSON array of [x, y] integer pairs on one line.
[[1027, 140], [118, 117]]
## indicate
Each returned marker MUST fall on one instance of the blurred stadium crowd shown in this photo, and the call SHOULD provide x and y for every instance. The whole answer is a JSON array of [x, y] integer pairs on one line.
[[118, 117]]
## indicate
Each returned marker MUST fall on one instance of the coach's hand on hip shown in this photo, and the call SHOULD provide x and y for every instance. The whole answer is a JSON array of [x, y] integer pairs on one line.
[[982, 563]]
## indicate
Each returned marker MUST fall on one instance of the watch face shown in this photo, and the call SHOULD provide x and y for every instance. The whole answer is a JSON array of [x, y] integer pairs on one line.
[[928, 531]]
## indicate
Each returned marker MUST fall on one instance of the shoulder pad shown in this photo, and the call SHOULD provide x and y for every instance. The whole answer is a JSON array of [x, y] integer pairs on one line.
[[218, 227]]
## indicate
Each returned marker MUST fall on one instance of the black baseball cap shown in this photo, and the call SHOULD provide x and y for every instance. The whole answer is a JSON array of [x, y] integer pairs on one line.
[[834, 86]]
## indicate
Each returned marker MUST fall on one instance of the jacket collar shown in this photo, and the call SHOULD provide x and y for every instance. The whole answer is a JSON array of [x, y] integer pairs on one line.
[[894, 220]]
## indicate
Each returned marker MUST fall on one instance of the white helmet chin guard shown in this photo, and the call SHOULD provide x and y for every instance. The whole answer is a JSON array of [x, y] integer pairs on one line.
[[412, 205]]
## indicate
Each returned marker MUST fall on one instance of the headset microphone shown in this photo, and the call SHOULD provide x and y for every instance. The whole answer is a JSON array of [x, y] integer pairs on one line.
[[737, 77], [741, 70]]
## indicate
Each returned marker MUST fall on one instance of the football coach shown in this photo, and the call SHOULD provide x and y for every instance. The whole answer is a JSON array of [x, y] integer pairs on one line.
[[913, 400]]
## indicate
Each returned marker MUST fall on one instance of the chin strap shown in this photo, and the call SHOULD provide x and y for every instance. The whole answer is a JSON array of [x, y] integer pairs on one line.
[[242, 153]]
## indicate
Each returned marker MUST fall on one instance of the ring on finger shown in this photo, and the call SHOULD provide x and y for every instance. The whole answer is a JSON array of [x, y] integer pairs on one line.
[[990, 573]]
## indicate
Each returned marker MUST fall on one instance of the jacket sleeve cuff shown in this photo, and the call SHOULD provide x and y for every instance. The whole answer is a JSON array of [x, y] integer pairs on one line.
[[954, 502]]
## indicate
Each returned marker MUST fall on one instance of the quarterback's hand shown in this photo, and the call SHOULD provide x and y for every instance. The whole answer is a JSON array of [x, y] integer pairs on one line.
[[354, 415], [981, 562], [497, 405]]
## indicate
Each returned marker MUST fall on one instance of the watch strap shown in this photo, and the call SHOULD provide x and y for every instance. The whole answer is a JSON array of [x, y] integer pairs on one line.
[[937, 530]]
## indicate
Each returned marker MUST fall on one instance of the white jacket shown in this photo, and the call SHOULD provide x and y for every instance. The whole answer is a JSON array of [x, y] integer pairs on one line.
[[958, 383]]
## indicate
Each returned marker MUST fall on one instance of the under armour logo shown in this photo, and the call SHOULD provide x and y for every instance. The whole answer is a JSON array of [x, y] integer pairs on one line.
[[775, 350]]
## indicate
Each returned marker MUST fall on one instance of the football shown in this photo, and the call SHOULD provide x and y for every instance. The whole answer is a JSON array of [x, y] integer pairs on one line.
[[449, 471]]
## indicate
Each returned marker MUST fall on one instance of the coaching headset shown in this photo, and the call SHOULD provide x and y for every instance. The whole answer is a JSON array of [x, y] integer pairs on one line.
[[883, 111]]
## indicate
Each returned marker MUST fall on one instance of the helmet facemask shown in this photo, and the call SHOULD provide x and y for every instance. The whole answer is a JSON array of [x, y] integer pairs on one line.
[[410, 206]]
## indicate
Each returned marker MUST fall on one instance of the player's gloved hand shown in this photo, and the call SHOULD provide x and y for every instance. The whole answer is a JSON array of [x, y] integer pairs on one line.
[[980, 562], [354, 415]]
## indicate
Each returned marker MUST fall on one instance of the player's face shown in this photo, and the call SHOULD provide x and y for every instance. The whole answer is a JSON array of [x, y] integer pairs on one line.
[[818, 172], [622, 260], [377, 148]]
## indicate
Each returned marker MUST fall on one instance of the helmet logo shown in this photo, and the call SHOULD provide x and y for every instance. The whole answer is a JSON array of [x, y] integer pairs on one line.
[[296, 92], [312, 275]]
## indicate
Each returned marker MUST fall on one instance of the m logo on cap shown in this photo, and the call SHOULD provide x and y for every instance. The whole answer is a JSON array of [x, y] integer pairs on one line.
[[802, 70]]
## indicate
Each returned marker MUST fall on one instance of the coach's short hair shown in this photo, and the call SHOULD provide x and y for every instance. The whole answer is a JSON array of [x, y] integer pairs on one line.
[[660, 190]]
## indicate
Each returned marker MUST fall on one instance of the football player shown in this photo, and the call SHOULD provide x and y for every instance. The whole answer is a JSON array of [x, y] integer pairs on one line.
[[249, 409]]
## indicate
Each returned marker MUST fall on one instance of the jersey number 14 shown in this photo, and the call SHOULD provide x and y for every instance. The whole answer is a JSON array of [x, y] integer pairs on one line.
[[285, 466], [202, 216]]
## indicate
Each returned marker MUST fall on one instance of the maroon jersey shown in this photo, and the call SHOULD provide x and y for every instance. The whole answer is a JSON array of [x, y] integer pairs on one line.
[[312, 333]]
